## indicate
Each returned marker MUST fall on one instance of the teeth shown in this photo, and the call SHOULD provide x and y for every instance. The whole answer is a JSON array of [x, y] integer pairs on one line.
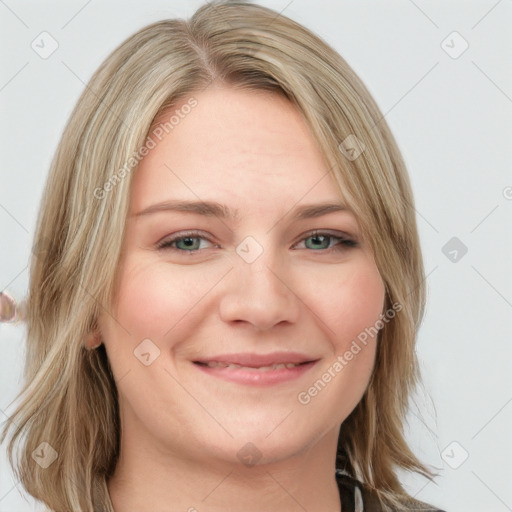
[[279, 366]]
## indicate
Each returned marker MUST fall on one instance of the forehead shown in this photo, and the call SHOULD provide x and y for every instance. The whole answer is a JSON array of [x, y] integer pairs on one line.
[[250, 149]]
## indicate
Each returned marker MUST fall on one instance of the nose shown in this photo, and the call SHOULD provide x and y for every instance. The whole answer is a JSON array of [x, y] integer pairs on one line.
[[261, 294]]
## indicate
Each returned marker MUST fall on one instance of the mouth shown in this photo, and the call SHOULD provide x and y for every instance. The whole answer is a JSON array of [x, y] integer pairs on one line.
[[257, 369], [276, 366]]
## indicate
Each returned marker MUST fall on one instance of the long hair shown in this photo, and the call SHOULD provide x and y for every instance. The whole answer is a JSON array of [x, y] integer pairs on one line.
[[69, 401]]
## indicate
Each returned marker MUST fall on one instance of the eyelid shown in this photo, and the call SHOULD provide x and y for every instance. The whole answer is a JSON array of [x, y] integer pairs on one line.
[[342, 235], [344, 239], [175, 237]]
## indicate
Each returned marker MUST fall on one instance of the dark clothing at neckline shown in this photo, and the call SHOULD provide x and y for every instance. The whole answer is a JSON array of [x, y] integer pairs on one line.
[[357, 497]]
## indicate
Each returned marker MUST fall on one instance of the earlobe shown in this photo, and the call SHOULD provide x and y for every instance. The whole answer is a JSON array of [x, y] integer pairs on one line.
[[10, 311], [93, 340]]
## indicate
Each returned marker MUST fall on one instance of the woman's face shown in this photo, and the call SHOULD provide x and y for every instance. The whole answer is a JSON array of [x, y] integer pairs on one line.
[[239, 280]]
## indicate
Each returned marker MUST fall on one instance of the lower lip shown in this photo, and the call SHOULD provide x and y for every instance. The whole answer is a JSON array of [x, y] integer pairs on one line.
[[255, 377]]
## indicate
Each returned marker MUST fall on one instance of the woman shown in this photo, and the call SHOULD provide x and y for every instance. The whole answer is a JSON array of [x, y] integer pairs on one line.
[[227, 283]]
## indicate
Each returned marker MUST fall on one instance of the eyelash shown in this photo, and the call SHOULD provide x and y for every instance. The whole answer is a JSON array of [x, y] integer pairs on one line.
[[343, 242]]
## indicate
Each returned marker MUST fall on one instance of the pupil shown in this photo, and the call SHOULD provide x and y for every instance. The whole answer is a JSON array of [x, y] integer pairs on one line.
[[188, 242], [318, 239]]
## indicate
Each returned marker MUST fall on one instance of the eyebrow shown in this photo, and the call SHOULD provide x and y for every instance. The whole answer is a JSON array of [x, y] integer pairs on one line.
[[214, 209]]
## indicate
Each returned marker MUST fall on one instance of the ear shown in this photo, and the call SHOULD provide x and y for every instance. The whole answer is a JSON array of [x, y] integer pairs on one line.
[[8, 308], [93, 340]]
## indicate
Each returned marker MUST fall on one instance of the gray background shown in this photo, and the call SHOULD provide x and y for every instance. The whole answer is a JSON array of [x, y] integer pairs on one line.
[[452, 117]]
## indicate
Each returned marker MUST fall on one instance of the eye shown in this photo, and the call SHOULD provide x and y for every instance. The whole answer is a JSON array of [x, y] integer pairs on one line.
[[184, 242], [321, 241], [190, 242]]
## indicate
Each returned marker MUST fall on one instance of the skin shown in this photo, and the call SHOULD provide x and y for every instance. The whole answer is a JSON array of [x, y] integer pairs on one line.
[[182, 429]]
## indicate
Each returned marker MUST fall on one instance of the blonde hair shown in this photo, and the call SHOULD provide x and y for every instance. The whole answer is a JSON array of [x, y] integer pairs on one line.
[[69, 399]]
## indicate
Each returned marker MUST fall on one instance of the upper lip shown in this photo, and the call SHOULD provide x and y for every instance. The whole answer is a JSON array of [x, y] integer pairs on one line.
[[257, 360]]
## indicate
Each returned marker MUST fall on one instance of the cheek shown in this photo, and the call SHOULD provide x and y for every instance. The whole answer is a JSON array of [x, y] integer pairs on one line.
[[153, 299], [351, 310], [159, 303], [148, 303], [351, 303]]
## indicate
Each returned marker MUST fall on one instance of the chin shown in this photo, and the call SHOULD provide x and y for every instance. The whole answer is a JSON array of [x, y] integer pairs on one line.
[[256, 446]]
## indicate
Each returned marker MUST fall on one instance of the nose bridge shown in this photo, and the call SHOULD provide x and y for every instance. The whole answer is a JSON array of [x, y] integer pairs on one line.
[[259, 293], [259, 266]]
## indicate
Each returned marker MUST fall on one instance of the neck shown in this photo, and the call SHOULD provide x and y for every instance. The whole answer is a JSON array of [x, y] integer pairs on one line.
[[153, 479]]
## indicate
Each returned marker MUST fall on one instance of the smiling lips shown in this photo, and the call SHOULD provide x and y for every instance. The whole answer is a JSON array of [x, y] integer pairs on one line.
[[217, 364], [256, 369]]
